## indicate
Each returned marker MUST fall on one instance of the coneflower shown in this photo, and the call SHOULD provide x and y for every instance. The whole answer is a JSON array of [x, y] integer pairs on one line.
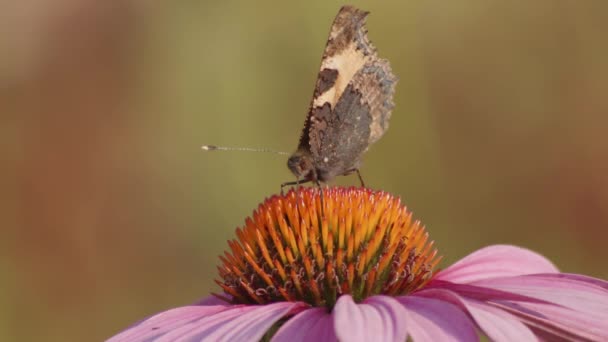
[[355, 266]]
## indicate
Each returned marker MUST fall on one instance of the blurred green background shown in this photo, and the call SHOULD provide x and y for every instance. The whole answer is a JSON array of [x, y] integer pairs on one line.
[[111, 212]]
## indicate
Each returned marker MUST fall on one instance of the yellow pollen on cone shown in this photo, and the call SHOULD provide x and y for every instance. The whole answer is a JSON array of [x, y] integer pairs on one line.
[[297, 247]]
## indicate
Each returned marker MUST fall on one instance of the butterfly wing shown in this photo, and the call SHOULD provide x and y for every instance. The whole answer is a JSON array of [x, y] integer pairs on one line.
[[353, 98]]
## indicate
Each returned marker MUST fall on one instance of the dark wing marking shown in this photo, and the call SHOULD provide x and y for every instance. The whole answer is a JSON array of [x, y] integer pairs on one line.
[[340, 136]]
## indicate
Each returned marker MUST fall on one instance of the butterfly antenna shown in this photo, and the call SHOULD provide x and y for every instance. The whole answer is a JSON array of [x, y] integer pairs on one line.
[[247, 149]]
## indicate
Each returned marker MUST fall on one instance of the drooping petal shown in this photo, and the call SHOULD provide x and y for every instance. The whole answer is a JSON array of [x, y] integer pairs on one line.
[[557, 321], [584, 297], [555, 312], [215, 323], [253, 325], [314, 324], [579, 308], [496, 261], [164, 322], [433, 320], [481, 293], [379, 318], [578, 277], [498, 325]]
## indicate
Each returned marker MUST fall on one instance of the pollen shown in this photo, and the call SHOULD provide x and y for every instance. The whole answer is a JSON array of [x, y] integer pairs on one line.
[[313, 245]]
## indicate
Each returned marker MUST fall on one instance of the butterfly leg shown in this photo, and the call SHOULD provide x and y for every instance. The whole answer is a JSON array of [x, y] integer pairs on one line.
[[358, 175], [360, 178], [298, 182]]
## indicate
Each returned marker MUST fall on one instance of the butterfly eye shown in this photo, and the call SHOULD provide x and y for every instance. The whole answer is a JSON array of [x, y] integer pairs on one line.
[[294, 163], [300, 165]]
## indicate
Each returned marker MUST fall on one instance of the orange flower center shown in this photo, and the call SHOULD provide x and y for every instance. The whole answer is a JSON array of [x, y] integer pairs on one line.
[[313, 247]]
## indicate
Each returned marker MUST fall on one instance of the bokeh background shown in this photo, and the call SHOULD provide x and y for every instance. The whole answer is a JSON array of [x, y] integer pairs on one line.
[[109, 210]]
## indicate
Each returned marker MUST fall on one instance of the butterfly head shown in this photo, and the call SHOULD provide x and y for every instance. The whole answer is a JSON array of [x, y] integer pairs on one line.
[[301, 165]]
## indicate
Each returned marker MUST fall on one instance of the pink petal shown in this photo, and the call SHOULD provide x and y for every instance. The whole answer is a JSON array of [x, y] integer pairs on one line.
[[558, 310], [584, 297], [496, 261], [497, 324], [255, 324], [578, 277], [163, 322], [249, 325], [433, 320], [314, 324], [215, 323], [395, 327], [479, 293], [558, 321], [379, 318], [202, 328]]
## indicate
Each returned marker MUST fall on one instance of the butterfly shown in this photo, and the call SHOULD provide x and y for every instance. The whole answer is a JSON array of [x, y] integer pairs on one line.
[[351, 104]]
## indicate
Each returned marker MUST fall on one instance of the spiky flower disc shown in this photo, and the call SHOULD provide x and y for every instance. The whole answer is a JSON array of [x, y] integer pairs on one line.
[[311, 246]]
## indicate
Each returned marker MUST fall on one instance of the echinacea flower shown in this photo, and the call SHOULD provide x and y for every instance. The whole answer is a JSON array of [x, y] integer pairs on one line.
[[352, 265]]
